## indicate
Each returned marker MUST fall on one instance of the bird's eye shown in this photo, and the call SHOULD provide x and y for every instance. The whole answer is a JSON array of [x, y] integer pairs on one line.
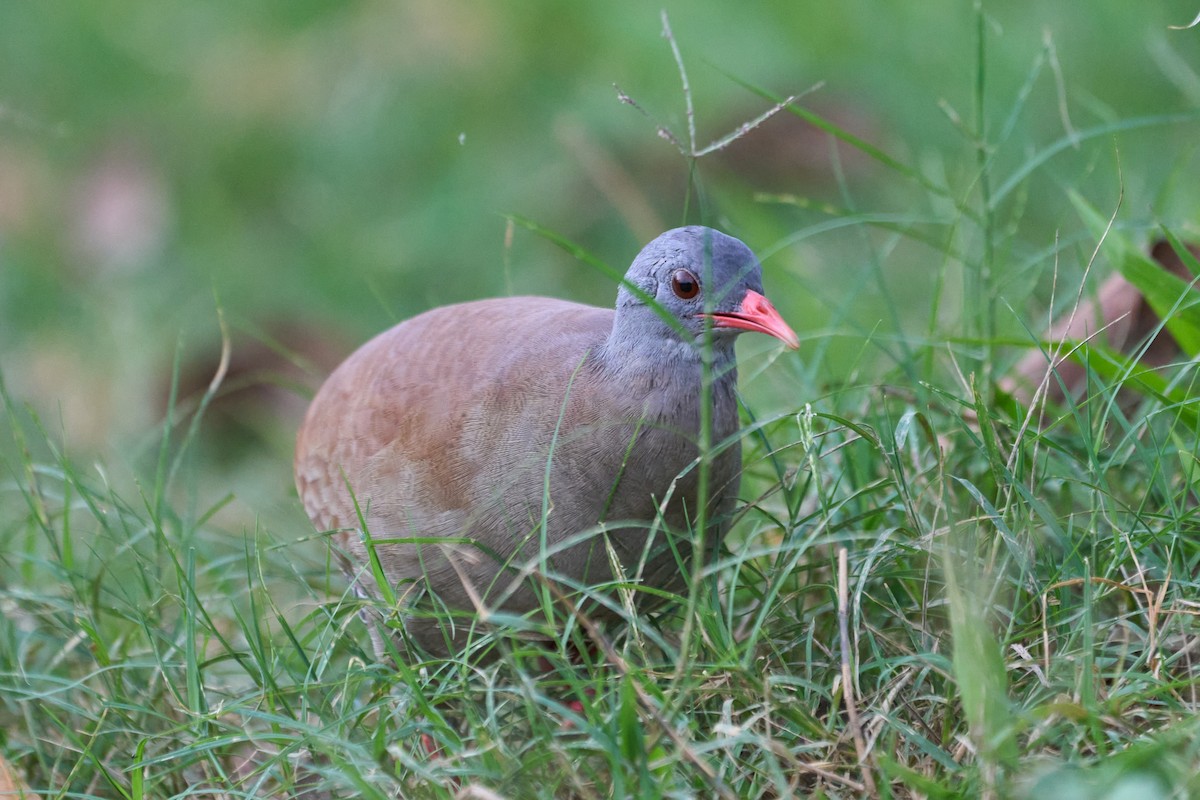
[[684, 284]]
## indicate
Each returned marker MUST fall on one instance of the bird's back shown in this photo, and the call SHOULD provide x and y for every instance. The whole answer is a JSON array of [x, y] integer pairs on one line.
[[408, 400]]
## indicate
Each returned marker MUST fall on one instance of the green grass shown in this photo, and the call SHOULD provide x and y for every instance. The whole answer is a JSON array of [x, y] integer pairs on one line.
[[1016, 616]]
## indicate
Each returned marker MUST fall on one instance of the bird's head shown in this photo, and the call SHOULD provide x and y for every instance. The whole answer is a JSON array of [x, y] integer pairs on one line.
[[689, 276]]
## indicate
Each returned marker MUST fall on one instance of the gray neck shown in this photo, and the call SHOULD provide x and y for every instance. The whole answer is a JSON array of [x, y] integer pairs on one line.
[[642, 343]]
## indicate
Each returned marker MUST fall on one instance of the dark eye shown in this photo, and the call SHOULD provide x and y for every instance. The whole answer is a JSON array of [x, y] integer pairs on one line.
[[684, 284]]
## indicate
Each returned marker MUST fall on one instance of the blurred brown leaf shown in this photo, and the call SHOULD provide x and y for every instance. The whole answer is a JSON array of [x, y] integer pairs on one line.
[[1122, 314], [11, 784]]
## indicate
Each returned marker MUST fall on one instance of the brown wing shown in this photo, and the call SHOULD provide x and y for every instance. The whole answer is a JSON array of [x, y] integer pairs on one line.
[[430, 422]]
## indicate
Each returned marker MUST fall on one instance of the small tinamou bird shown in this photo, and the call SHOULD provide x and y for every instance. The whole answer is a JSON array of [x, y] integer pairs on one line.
[[480, 440]]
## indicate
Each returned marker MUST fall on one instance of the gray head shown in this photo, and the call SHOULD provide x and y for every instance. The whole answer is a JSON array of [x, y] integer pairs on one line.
[[695, 274]]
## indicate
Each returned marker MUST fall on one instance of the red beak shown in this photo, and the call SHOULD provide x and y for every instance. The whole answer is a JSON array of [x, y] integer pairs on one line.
[[757, 314]]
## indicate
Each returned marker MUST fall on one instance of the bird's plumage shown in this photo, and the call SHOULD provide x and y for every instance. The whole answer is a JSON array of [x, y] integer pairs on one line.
[[461, 429]]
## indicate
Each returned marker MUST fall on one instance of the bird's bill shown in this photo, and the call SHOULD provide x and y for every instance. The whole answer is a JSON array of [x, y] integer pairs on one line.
[[756, 314]]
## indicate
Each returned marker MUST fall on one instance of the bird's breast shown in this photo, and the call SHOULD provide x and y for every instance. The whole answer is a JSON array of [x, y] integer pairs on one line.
[[639, 452]]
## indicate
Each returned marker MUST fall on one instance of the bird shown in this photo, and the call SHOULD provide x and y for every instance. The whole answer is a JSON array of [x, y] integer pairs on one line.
[[456, 453]]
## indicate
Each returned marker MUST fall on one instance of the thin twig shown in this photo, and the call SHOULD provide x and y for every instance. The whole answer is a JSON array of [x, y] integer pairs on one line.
[[1191, 24], [1057, 356], [691, 150], [860, 744], [746, 127], [1060, 87], [687, 89], [661, 130]]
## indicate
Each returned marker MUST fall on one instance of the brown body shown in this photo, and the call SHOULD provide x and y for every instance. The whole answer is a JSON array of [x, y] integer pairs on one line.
[[466, 442]]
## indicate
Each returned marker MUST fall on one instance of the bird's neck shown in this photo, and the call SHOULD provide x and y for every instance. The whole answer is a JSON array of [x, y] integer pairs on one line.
[[658, 351], [661, 379]]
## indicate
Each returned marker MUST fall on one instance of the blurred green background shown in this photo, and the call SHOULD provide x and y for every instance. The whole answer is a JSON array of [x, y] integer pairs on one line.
[[321, 170]]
